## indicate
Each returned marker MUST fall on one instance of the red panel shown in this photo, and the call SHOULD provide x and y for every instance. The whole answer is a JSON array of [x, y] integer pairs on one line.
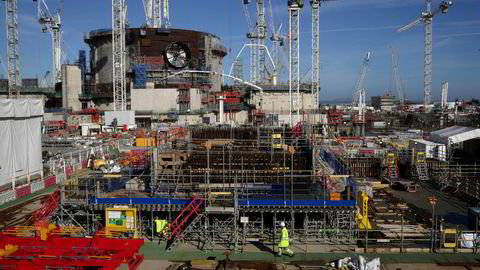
[[69, 171], [50, 181], [23, 191], [84, 164]]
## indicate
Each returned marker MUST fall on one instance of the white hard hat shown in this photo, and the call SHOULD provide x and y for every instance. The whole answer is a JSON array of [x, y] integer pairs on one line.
[[282, 224]]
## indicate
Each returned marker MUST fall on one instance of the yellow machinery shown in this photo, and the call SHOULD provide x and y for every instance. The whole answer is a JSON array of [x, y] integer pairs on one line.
[[121, 220], [449, 238], [9, 249], [145, 142], [362, 214]]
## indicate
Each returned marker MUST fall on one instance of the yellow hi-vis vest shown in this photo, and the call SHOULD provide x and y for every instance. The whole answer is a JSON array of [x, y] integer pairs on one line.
[[283, 238], [161, 225]]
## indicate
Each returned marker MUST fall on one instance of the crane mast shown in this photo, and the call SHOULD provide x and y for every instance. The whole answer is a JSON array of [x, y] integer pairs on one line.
[[398, 81], [294, 7], [166, 13], [315, 54], [118, 54], [13, 50], [252, 36], [153, 13], [261, 34], [427, 17]]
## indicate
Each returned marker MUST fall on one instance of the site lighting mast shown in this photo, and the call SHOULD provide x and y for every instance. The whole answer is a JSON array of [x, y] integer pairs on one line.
[[294, 7], [13, 50], [118, 54], [426, 17], [51, 23]]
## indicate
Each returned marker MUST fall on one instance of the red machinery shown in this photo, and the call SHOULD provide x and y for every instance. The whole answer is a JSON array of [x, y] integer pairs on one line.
[[58, 252]]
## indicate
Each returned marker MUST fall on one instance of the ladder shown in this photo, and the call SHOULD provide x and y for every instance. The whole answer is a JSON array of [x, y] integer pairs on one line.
[[392, 165], [187, 217]]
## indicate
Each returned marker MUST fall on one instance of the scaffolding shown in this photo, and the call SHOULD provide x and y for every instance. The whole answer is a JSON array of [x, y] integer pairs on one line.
[[223, 189]]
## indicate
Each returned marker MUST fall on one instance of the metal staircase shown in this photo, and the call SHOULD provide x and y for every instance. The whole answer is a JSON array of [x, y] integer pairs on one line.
[[184, 222]]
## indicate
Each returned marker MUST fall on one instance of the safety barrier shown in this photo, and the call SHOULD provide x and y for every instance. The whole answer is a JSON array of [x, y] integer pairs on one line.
[[23, 191], [36, 186], [60, 178], [50, 181], [7, 196]]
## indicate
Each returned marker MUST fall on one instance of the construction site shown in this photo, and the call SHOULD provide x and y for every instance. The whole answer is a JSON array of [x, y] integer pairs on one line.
[[151, 154]]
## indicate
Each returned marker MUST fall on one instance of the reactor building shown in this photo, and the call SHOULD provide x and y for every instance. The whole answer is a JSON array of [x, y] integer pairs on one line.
[[155, 59]]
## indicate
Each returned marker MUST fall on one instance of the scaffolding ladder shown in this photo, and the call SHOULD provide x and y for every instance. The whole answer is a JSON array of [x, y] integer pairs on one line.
[[186, 220], [392, 165], [419, 168]]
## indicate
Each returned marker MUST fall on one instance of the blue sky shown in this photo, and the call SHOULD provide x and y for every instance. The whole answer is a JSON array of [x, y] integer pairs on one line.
[[349, 29]]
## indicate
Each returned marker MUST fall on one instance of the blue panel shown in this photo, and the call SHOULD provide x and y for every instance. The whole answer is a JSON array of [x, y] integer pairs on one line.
[[295, 203], [137, 201], [140, 71]]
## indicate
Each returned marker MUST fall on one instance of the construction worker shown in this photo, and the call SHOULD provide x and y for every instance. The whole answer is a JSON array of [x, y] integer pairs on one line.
[[283, 244], [161, 226]]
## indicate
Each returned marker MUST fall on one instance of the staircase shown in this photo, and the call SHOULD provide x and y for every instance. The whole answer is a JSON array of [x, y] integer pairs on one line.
[[186, 220]]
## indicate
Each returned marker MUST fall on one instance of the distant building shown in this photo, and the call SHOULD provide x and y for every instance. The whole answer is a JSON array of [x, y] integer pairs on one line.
[[383, 103], [30, 83]]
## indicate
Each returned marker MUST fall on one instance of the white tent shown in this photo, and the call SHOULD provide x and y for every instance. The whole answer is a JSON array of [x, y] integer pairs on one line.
[[20, 139], [454, 134]]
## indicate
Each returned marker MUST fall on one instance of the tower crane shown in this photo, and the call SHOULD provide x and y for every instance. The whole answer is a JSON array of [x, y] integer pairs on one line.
[[294, 7], [51, 23], [359, 98], [13, 50], [118, 54], [315, 4], [426, 17], [257, 35], [277, 40], [398, 81], [357, 91]]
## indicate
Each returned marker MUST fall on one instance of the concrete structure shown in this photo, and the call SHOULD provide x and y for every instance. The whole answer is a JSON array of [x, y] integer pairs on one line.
[[384, 103], [149, 60], [71, 87], [276, 99]]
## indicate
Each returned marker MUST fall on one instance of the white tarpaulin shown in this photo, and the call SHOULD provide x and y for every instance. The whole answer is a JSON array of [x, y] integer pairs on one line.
[[468, 240], [123, 118], [20, 143]]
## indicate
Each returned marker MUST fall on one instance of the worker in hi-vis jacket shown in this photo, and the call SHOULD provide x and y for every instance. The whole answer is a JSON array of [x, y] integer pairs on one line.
[[283, 244]]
